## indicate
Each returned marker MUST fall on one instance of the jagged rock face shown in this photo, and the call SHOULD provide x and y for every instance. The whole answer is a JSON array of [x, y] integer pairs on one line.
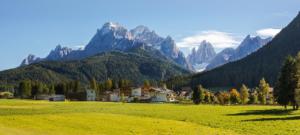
[[169, 48], [59, 53], [221, 58], [248, 46], [30, 59], [202, 56], [143, 34], [205, 53]]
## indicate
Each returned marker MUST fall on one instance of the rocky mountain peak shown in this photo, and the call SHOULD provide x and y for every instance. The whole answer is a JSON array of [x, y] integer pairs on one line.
[[204, 45], [59, 52], [117, 30], [169, 47], [201, 57], [30, 59], [111, 26]]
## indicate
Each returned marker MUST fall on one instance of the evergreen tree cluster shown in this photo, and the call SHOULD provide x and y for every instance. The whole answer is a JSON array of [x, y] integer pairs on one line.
[[287, 90]]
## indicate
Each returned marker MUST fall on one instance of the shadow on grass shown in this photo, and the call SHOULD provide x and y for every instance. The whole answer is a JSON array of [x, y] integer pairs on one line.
[[274, 112], [264, 112], [274, 119]]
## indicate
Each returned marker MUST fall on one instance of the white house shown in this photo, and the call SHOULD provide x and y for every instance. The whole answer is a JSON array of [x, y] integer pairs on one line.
[[159, 97], [137, 92], [90, 95], [115, 96], [162, 95]]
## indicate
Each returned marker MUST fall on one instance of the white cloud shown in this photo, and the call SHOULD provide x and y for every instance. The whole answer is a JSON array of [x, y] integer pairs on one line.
[[268, 32], [218, 39]]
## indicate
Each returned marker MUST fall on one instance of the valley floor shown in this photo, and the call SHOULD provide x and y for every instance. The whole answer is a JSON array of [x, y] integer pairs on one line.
[[28, 117]]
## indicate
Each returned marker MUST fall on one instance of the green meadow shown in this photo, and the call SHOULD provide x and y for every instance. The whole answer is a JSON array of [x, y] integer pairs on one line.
[[28, 117]]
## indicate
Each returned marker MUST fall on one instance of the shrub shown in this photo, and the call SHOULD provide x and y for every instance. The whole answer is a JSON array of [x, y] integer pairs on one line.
[[6, 95]]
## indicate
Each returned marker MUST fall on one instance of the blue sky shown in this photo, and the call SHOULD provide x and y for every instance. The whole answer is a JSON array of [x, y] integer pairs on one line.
[[37, 26]]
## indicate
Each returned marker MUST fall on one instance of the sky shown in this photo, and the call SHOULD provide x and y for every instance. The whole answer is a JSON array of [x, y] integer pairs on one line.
[[37, 26]]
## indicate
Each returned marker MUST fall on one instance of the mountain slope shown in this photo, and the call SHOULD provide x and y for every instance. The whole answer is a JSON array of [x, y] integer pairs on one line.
[[221, 58], [136, 65], [266, 62], [248, 46]]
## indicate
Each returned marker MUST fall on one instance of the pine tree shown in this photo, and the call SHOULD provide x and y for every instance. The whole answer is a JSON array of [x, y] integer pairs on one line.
[[25, 88], [61, 88], [196, 96], [51, 90], [296, 83], [40, 88], [284, 87], [244, 94], [77, 86]]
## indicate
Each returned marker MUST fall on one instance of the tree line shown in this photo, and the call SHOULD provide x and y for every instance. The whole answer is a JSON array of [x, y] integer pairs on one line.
[[286, 91], [32, 88], [258, 95]]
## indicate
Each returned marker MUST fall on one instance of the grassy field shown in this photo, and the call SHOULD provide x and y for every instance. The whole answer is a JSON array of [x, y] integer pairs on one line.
[[79, 118]]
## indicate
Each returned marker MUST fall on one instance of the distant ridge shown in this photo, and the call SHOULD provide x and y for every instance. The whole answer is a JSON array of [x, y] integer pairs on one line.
[[265, 62]]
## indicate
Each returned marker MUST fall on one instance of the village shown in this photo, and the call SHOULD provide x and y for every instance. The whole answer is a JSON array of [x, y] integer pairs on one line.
[[139, 94]]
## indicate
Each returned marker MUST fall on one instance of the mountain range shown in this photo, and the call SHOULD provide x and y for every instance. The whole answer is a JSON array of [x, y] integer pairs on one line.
[[114, 37], [263, 63]]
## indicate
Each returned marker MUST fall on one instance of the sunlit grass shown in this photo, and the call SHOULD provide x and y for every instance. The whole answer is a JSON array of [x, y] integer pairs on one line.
[[43, 117]]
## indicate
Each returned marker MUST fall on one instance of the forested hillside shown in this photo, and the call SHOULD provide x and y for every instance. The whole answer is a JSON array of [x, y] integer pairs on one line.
[[137, 65]]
